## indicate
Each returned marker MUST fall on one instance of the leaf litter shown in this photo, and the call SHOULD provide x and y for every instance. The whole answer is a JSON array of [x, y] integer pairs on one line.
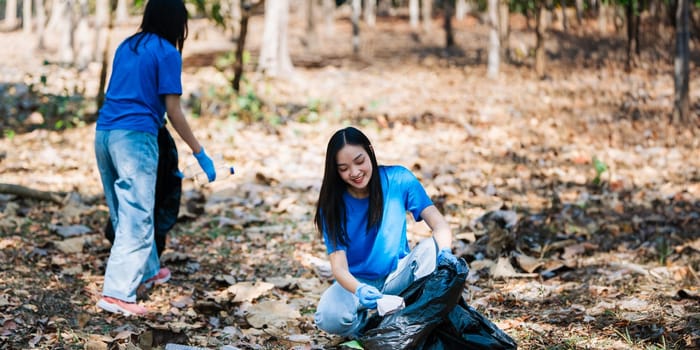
[[574, 201]]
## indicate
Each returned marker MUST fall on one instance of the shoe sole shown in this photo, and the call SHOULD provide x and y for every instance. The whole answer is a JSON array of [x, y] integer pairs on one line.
[[113, 308]]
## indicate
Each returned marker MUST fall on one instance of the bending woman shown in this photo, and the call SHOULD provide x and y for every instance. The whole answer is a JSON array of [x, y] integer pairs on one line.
[[361, 214]]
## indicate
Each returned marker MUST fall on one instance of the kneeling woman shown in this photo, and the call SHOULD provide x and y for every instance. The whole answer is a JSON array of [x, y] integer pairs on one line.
[[361, 214]]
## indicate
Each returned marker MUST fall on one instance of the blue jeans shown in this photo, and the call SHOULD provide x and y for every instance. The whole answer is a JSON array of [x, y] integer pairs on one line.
[[128, 165], [339, 310]]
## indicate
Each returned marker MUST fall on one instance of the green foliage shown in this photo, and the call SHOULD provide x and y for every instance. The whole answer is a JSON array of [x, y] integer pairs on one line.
[[8, 133], [600, 167], [211, 10], [249, 106], [313, 107], [353, 344], [663, 248]]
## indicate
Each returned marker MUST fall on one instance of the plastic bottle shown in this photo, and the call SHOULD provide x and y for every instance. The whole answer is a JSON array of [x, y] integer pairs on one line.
[[223, 170]]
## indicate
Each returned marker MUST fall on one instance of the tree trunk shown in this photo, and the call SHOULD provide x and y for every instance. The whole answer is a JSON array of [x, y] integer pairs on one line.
[[681, 70], [413, 13], [541, 33], [564, 20], [274, 54], [40, 24], [504, 28], [235, 16], [109, 23], [356, 8], [122, 14], [329, 16], [240, 46], [494, 42], [370, 12], [579, 11], [102, 13], [449, 32], [84, 37], [427, 15], [311, 37], [26, 192], [11, 22], [461, 9], [27, 16], [66, 47], [603, 11], [632, 35]]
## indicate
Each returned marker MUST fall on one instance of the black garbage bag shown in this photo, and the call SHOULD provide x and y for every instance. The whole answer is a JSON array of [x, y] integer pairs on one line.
[[168, 191], [428, 302], [436, 317], [466, 328]]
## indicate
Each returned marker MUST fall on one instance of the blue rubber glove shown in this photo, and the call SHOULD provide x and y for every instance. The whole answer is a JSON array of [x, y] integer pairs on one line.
[[368, 295], [445, 257], [206, 164]]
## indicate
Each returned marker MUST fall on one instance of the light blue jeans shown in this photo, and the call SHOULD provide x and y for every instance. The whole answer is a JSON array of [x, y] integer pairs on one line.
[[128, 165], [339, 310]]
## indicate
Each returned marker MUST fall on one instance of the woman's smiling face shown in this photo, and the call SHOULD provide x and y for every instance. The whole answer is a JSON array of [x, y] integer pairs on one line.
[[355, 168]]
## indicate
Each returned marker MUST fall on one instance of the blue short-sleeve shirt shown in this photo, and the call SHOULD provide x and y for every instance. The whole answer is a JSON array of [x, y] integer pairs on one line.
[[135, 98], [375, 254]]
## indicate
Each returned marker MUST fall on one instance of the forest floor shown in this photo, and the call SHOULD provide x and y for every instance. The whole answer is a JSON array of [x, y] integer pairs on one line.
[[598, 246]]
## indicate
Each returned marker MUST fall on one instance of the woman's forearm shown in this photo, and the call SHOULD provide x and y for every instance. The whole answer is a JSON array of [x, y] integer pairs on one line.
[[177, 119]]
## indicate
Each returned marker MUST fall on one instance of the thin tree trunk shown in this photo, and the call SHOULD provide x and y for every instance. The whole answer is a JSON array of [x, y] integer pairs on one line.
[[603, 10], [84, 37], [11, 14], [240, 46], [541, 33], [681, 70], [105, 56], [494, 42], [329, 16], [564, 20], [102, 11], [579, 11], [414, 13], [235, 16], [122, 15], [356, 8], [427, 15], [40, 24], [632, 35], [449, 32], [27, 16], [311, 38], [461, 9], [504, 28], [370, 12], [274, 55], [66, 42]]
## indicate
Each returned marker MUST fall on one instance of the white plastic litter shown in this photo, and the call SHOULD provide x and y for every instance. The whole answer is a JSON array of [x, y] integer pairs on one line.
[[389, 303]]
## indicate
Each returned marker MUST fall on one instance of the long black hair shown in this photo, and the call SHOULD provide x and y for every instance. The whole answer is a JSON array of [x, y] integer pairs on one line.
[[167, 19], [330, 209]]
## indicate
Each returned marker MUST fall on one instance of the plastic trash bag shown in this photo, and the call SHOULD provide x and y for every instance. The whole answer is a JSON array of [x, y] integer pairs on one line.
[[435, 317]]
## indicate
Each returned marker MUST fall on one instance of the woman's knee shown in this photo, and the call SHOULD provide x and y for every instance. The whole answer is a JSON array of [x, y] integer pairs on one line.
[[336, 322]]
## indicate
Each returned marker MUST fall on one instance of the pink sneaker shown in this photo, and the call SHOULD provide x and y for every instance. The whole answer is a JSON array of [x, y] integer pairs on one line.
[[119, 306], [161, 277]]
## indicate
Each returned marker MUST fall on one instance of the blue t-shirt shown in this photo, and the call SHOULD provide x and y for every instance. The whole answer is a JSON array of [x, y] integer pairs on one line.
[[375, 254], [135, 96]]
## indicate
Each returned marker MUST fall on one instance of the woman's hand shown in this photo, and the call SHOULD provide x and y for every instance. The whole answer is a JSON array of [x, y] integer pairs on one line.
[[368, 295], [445, 257], [206, 164]]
